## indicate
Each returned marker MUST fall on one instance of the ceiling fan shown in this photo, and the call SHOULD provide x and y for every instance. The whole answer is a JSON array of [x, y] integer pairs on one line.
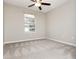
[[38, 3]]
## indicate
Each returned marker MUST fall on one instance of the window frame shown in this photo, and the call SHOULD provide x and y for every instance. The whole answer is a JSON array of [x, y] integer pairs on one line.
[[31, 22]]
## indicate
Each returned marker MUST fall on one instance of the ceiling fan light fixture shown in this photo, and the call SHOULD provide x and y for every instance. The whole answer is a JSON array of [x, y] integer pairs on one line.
[[37, 4]]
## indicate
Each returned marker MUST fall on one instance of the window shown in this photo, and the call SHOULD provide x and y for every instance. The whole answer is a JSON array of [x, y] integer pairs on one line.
[[29, 23]]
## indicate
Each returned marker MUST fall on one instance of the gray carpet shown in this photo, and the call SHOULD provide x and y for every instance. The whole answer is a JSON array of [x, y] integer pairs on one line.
[[39, 49]]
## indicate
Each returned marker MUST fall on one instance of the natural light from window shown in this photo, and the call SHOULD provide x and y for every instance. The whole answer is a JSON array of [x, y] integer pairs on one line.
[[29, 23]]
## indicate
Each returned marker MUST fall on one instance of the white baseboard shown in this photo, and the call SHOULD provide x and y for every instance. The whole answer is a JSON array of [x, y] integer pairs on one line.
[[8, 42], [68, 43]]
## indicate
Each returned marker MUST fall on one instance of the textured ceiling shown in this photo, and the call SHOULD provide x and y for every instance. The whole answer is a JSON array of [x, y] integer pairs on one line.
[[25, 3]]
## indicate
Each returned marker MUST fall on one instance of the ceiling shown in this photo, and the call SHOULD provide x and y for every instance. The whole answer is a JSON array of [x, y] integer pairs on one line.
[[25, 3]]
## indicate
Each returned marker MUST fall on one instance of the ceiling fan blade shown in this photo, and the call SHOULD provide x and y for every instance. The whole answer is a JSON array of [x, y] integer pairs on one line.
[[33, 0], [31, 5], [46, 4], [40, 8]]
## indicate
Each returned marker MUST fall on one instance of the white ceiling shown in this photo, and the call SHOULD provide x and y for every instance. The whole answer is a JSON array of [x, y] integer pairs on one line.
[[25, 3]]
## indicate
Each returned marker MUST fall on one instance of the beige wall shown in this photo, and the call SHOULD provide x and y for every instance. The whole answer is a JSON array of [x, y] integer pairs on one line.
[[58, 24], [14, 24], [61, 23]]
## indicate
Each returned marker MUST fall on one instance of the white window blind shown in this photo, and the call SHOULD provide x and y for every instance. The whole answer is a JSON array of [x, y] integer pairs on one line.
[[29, 23]]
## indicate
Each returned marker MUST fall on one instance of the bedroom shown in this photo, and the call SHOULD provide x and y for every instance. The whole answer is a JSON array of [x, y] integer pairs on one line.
[[53, 28]]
